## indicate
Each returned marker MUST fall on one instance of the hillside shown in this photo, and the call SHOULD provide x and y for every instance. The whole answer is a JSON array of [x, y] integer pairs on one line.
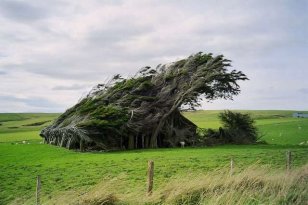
[[23, 126]]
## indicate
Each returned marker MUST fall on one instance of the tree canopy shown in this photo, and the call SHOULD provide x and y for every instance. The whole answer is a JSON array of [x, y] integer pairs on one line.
[[144, 111]]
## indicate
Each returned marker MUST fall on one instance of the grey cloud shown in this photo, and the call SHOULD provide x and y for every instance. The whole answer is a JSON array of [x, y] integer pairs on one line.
[[2, 55], [116, 33], [16, 38], [303, 90], [21, 11], [2, 72], [71, 87], [109, 2], [29, 101], [83, 71]]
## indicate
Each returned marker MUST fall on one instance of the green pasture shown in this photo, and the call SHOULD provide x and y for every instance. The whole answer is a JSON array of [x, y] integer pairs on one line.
[[23, 122], [16, 127], [65, 170]]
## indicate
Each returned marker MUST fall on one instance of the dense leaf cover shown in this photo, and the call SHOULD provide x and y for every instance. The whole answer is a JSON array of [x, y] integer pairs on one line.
[[144, 111]]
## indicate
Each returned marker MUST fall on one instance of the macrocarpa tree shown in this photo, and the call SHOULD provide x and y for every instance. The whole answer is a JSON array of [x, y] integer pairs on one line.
[[144, 111]]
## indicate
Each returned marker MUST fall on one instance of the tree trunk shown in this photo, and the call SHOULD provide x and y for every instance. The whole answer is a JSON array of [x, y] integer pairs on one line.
[[153, 142], [121, 143], [146, 141], [142, 141], [81, 145], [131, 142], [62, 143], [163, 119], [68, 145]]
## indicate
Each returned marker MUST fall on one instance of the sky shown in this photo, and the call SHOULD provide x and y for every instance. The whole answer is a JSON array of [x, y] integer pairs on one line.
[[53, 52]]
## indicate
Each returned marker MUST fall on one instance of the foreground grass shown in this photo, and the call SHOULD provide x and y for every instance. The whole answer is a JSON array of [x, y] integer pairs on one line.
[[250, 186], [62, 170], [253, 185]]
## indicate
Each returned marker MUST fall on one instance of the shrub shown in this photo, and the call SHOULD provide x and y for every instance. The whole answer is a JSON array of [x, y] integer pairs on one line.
[[237, 128]]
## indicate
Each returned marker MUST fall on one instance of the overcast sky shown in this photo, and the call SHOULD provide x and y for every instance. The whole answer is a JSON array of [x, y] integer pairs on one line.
[[53, 51]]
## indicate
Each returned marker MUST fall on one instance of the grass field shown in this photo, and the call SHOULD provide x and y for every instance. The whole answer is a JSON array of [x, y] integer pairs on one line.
[[64, 171], [25, 126]]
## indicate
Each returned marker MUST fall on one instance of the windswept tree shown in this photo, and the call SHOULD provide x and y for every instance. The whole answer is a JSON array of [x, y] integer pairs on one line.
[[144, 111]]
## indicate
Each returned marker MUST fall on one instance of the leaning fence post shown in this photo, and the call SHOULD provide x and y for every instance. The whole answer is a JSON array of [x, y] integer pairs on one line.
[[150, 176], [38, 189], [231, 166], [289, 160]]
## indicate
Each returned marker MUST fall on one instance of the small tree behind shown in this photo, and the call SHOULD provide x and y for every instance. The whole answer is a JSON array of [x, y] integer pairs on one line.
[[238, 127]]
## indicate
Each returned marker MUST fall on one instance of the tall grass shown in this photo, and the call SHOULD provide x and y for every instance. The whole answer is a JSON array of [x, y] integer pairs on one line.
[[253, 185]]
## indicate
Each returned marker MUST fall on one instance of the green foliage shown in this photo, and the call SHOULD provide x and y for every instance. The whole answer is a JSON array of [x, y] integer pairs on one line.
[[106, 117], [238, 128], [132, 83], [169, 76], [89, 105], [109, 112], [145, 85]]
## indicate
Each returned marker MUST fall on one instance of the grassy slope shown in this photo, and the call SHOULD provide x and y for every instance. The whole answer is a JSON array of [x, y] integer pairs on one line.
[[17, 127], [63, 170], [22, 119]]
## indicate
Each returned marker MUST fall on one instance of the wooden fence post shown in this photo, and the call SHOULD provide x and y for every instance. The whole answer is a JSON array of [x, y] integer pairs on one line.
[[38, 189], [289, 160], [150, 176], [231, 166]]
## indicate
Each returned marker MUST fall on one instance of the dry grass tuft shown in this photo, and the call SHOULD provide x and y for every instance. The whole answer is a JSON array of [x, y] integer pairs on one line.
[[254, 185], [251, 186], [101, 194], [106, 199]]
